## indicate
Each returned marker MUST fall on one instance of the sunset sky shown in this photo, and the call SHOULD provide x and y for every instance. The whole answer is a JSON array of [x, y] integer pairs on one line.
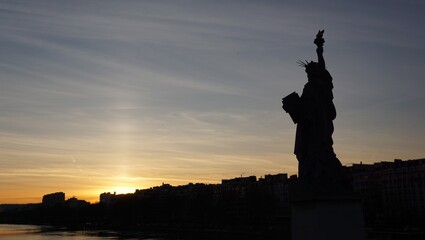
[[104, 95]]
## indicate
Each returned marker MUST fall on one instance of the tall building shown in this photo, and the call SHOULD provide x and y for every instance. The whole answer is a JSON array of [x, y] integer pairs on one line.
[[106, 197], [53, 199]]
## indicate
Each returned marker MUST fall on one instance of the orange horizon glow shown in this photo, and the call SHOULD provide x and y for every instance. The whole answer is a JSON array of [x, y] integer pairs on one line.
[[120, 185], [90, 195]]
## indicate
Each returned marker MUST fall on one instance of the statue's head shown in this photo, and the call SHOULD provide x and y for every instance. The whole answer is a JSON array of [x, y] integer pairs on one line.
[[315, 71]]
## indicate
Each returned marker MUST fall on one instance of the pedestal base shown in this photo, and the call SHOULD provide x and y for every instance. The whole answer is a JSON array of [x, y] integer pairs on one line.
[[327, 218]]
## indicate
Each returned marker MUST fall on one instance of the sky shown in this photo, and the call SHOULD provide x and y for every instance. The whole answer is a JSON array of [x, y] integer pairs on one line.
[[112, 96]]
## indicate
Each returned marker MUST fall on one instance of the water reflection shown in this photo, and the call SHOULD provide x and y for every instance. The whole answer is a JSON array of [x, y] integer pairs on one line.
[[11, 230], [30, 232]]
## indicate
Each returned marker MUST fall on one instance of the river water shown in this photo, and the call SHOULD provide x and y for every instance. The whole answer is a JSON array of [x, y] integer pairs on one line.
[[31, 232]]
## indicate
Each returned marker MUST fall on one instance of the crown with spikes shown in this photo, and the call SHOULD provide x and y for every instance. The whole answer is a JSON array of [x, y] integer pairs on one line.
[[303, 64]]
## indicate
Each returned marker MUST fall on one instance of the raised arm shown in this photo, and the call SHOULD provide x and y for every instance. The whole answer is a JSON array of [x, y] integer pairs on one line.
[[319, 41]]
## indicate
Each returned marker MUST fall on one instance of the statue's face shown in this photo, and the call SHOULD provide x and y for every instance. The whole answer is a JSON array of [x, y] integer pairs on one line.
[[313, 70], [315, 73]]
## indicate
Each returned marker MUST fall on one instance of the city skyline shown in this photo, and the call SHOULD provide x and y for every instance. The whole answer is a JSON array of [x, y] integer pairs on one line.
[[94, 200], [103, 96]]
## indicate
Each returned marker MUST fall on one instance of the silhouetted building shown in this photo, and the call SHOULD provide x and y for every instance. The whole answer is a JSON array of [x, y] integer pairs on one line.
[[279, 186], [11, 207], [106, 198], [232, 198], [239, 181], [393, 192], [76, 203], [52, 199]]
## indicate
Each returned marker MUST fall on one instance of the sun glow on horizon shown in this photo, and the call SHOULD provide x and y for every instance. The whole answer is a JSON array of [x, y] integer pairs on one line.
[[123, 190], [123, 184]]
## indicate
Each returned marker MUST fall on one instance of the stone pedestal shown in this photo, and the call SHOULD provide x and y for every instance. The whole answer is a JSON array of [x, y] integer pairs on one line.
[[327, 218]]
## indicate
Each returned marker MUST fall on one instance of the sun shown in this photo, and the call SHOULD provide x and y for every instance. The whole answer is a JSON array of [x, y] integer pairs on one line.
[[124, 190]]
